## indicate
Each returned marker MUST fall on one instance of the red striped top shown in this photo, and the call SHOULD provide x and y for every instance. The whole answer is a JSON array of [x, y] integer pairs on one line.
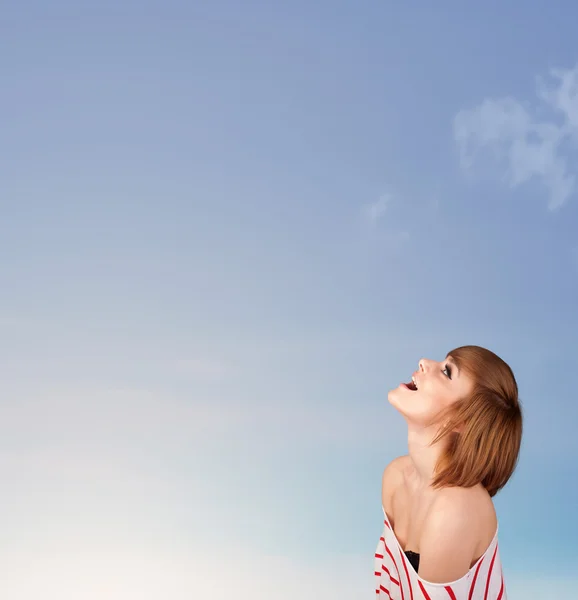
[[396, 579]]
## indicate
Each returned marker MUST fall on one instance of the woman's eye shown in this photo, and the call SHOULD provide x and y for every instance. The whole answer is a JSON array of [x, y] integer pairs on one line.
[[447, 371]]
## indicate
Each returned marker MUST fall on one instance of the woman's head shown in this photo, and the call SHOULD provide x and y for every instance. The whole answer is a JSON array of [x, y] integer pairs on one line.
[[471, 401], [434, 387]]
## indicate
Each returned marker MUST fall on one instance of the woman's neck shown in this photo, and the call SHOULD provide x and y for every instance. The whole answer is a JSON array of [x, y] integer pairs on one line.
[[424, 457]]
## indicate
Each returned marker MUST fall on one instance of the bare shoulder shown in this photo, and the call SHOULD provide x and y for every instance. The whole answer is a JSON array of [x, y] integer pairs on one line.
[[473, 504], [393, 477], [460, 509], [394, 470], [460, 526]]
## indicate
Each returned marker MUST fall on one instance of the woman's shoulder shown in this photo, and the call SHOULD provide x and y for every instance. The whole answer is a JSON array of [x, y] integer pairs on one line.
[[472, 512], [394, 470], [473, 500]]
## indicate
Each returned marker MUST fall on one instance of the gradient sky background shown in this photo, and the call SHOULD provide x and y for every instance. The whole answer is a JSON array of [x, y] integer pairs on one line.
[[227, 229]]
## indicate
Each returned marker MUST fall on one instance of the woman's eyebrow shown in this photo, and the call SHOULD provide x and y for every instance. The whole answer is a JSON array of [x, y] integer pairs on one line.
[[453, 362]]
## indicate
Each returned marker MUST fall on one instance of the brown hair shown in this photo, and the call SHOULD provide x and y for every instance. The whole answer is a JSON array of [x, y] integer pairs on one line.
[[484, 430]]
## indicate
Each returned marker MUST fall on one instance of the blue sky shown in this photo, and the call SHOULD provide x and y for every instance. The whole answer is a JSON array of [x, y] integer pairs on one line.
[[227, 230]]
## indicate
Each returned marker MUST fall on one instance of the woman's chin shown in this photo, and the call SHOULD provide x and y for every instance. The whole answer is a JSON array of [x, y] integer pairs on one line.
[[393, 397], [400, 399]]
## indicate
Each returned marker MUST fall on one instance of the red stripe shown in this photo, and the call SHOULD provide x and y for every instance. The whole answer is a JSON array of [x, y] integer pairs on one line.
[[450, 592], [406, 573], [501, 589], [392, 579], [397, 569], [474, 580], [378, 573], [490, 574], [425, 594], [378, 555], [387, 524], [386, 591]]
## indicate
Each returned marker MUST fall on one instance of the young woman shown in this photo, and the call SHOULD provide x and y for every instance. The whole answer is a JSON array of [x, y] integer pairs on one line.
[[440, 536]]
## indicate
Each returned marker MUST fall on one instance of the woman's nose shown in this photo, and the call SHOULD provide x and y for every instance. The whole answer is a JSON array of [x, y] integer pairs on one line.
[[423, 365]]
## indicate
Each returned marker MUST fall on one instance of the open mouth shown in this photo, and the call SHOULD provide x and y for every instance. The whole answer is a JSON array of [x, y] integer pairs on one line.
[[411, 386]]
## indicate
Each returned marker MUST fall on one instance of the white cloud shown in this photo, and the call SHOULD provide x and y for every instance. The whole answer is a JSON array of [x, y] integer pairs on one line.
[[390, 238], [374, 211], [528, 146], [563, 97]]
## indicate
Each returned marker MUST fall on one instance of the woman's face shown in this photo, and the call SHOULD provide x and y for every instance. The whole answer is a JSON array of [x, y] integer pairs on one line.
[[435, 386]]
